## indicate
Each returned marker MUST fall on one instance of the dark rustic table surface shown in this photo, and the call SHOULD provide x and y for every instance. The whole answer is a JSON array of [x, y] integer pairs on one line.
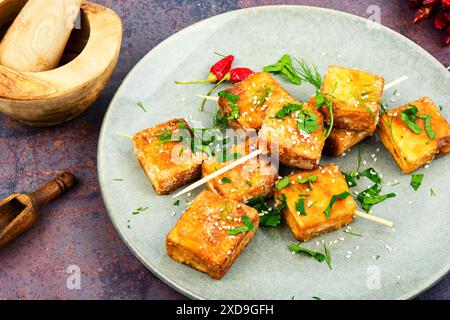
[[76, 230]]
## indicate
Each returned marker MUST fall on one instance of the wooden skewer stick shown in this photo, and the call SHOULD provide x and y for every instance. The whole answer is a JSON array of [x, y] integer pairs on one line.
[[373, 218], [395, 82], [386, 87], [233, 165]]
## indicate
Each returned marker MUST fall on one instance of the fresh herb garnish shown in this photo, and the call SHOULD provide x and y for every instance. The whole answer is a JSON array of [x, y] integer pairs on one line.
[[248, 226], [313, 77], [219, 122], [318, 256], [263, 98], [343, 195], [176, 203], [409, 117], [300, 206], [118, 180], [353, 233], [416, 181], [284, 66], [226, 180], [166, 137], [371, 196], [311, 178], [432, 193], [269, 217], [232, 103], [142, 106], [316, 298], [307, 122], [430, 132], [248, 182], [139, 210], [287, 110], [372, 175], [362, 103], [351, 181], [283, 183]]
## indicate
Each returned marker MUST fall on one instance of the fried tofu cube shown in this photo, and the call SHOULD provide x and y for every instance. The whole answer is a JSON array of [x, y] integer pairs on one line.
[[287, 136], [257, 94], [202, 239], [168, 164], [341, 140], [413, 150], [307, 202], [356, 97], [254, 178]]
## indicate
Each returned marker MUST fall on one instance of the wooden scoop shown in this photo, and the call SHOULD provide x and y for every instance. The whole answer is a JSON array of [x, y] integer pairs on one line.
[[19, 212], [37, 38]]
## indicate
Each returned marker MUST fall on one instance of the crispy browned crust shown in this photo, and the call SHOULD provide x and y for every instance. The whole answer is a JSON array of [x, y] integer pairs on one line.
[[412, 151], [254, 178], [330, 182], [341, 140], [295, 148], [251, 116], [343, 85], [200, 239], [166, 169]]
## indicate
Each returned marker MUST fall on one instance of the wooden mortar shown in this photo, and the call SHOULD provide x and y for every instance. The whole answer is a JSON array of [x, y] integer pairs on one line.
[[53, 97]]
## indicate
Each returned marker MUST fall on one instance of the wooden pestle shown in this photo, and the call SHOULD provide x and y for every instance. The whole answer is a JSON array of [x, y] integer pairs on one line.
[[36, 40], [19, 212]]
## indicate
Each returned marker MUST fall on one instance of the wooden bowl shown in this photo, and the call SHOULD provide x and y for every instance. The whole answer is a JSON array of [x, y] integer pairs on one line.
[[56, 96]]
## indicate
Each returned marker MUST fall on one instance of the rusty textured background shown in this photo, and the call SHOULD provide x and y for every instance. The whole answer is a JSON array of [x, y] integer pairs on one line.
[[76, 230]]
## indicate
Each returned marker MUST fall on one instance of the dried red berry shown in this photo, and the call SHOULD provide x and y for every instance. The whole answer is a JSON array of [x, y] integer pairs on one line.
[[422, 14], [441, 21], [445, 4], [415, 4]]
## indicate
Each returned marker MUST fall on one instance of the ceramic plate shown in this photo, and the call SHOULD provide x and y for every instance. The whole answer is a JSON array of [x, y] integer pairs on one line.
[[383, 263]]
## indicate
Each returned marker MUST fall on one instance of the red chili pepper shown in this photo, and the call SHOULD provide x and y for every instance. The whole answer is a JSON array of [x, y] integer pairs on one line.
[[221, 68], [218, 72], [422, 14], [239, 74]]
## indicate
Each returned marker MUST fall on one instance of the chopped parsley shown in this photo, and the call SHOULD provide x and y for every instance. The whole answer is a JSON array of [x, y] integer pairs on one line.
[[372, 175], [269, 216], [313, 77], [409, 117], [307, 122], [226, 180], [284, 67], [142, 106], [432, 193], [248, 226], [176, 203], [351, 181], [311, 178], [343, 195], [283, 183], [248, 182], [232, 103], [371, 196], [287, 110], [416, 181], [318, 256], [300, 206], [263, 98], [139, 210]]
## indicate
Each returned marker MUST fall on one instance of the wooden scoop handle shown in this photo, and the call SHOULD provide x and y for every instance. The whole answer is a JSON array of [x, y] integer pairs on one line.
[[53, 189]]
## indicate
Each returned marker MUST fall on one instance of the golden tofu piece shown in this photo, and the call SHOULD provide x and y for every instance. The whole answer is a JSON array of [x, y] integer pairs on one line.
[[201, 237], [257, 94], [254, 178], [341, 140], [168, 165], [283, 136], [356, 98], [410, 150], [316, 197]]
